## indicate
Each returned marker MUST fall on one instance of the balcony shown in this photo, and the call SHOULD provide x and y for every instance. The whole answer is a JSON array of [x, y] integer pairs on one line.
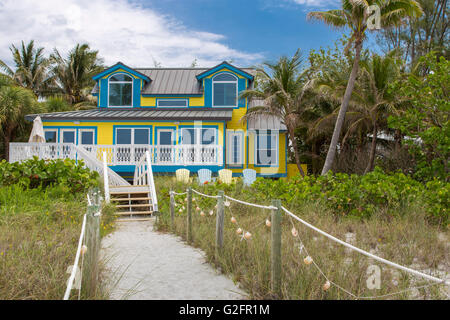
[[117, 155]]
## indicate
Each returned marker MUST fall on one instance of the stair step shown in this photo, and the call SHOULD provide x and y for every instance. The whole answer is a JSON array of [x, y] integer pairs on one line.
[[133, 219], [130, 199], [130, 186], [133, 205], [128, 192], [122, 213]]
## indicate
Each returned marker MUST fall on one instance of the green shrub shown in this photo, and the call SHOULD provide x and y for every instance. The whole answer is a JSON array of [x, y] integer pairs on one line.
[[34, 173]]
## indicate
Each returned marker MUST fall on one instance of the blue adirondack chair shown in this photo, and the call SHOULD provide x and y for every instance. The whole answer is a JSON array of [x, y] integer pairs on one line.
[[204, 175], [249, 176]]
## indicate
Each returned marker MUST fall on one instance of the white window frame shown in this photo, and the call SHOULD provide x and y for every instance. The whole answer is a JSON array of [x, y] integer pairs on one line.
[[198, 136], [51, 130], [171, 100], [235, 82], [230, 150], [132, 136], [277, 139], [132, 89], [75, 137], [165, 130], [80, 133]]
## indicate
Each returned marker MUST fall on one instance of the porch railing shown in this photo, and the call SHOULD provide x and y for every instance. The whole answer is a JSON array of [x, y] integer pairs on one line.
[[160, 155]]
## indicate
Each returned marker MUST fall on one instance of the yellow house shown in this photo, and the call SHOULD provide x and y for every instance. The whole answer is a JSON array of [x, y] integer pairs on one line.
[[186, 117]]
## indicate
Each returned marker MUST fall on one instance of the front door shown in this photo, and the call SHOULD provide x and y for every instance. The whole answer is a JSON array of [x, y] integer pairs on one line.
[[165, 141], [68, 136]]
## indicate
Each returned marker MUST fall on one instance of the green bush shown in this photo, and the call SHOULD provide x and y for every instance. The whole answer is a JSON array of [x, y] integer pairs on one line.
[[362, 195], [34, 173]]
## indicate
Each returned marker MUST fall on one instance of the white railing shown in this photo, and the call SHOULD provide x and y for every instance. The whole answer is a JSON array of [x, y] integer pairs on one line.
[[143, 175], [160, 155], [23, 151]]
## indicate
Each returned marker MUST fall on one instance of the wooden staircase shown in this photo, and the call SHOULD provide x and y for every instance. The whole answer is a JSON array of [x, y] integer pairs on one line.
[[134, 203]]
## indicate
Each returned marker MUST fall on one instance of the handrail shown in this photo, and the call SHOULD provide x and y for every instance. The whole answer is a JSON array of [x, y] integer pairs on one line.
[[105, 179], [151, 181], [143, 175]]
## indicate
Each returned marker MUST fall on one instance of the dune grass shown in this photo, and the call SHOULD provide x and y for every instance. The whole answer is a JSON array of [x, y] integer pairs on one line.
[[404, 237], [39, 231]]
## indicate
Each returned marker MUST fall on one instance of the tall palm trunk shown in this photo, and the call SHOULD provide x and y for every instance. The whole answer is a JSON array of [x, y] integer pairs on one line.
[[373, 148], [341, 116], [291, 133]]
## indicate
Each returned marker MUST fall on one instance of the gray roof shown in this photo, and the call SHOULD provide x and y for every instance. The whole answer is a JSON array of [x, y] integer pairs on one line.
[[173, 81], [264, 122], [208, 114]]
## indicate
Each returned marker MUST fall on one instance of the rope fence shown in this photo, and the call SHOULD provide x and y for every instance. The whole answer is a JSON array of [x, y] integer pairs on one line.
[[275, 224], [87, 249]]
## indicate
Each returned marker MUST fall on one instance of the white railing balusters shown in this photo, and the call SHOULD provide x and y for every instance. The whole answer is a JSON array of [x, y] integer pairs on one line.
[[105, 177]]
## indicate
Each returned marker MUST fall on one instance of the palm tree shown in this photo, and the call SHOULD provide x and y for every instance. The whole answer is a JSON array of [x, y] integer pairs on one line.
[[30, 68], [354, 15], [371, 101], [73, 74], [15, 103], [284, 93]]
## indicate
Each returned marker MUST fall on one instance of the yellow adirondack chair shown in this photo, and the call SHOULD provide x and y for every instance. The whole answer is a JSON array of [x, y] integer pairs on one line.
[[182, 175], [225, 176]]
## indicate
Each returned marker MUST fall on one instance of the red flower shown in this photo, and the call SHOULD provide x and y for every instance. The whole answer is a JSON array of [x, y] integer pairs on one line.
[[206, 182]]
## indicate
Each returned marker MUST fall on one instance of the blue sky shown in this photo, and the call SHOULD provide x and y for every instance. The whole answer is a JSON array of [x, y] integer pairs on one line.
[[268, 27], [170, 32]]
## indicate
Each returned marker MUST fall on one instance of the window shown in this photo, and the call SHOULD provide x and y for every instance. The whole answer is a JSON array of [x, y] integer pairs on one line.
[[224, 90], [133, 136], [266, 150], [51, 136], [86, 136], [204, 135], [68, 136], [120, 91], [172, 103], [235, 148]]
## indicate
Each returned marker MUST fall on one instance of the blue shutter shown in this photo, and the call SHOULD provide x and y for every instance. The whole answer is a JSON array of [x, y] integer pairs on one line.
[[103, 95], [241, 87], [208, 93], [136, 93]]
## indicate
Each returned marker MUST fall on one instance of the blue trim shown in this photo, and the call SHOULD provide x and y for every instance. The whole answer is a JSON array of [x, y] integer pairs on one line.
[[169, 98], [173, 95], [156, 168], [120, 65], [173, 128], [150, 127], [222, 66], [76, 131]]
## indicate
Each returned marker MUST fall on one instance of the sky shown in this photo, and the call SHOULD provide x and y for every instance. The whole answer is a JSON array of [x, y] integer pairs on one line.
[[170, 32]]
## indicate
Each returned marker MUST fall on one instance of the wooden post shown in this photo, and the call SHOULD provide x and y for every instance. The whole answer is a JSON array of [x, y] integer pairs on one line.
[[276, 248], [172, 209], [91, 257], [189, 215], [219, 224]]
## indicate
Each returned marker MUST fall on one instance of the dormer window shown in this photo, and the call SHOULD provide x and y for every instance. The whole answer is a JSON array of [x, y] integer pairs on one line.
[[120, 91], [224, 90]]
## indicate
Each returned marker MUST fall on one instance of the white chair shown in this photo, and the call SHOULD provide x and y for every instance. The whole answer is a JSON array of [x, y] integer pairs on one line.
[[182, 175], [249, 176], [204, 175], [225, 176]]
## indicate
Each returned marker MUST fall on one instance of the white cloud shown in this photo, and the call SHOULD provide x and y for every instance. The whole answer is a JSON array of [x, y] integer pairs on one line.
[[315, 3], [121, 31]]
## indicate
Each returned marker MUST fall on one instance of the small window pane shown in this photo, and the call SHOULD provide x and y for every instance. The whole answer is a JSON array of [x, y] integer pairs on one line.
[[87, 137], [172, 103], [188, 136], [120, 77], [141, 136], [165, 137], [120, 94], [208, 136], [50, 136], [224, 77], [225, 94], [68, 137], [123, 136]]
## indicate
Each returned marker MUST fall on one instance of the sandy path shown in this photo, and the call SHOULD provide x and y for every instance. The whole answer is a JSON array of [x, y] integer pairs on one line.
[[145, 264]]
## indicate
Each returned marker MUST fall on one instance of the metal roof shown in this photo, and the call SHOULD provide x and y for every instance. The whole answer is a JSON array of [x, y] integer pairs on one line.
[[173, 81], [264, 122], [190, 114]]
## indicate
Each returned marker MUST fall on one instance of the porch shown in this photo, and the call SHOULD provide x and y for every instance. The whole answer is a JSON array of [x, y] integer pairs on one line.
[[163, 157]]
